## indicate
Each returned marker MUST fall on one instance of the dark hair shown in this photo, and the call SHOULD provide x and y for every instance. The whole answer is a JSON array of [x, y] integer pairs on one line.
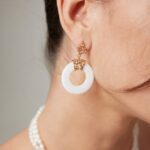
[[54, 29]]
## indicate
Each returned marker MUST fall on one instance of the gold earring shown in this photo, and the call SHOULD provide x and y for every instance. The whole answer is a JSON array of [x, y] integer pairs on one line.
[[78, 64]]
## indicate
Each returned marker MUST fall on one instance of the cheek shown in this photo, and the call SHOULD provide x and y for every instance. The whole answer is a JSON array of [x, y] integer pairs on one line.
[[120, 53]]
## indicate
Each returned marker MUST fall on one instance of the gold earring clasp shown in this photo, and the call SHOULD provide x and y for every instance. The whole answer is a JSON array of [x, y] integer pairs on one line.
[[78, 62]]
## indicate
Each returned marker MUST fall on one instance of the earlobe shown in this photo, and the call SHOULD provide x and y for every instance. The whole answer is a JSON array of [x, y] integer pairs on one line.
[[72, 15]]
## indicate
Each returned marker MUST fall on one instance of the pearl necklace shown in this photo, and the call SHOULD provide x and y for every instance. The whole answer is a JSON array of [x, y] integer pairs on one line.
[[34, 132]]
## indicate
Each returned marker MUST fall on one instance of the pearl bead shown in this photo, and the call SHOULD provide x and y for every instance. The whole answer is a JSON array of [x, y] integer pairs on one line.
[[33, 132]]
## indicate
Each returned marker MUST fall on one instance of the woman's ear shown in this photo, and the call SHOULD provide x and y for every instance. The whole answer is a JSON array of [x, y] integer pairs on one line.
[[74, 20]]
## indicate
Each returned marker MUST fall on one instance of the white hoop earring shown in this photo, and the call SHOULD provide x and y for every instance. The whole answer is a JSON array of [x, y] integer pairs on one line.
[[78, 64], [84, 87]]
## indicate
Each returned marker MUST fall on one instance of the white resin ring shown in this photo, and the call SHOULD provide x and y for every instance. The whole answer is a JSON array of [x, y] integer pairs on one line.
[[79, 89]]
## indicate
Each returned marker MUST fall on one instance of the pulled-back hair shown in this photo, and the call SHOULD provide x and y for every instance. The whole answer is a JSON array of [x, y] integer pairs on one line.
[[54, 29]]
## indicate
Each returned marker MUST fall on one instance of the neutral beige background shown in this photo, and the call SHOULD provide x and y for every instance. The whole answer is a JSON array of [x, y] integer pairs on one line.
[[24, 79]]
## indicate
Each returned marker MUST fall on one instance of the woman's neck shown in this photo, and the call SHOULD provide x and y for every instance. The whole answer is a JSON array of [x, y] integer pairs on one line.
[[93, 121]]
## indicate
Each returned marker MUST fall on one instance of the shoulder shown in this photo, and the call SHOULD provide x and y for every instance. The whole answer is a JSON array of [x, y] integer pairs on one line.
[[18, 142]]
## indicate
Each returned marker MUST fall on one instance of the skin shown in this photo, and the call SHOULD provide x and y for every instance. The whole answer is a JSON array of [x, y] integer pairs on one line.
[[117, 34]]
